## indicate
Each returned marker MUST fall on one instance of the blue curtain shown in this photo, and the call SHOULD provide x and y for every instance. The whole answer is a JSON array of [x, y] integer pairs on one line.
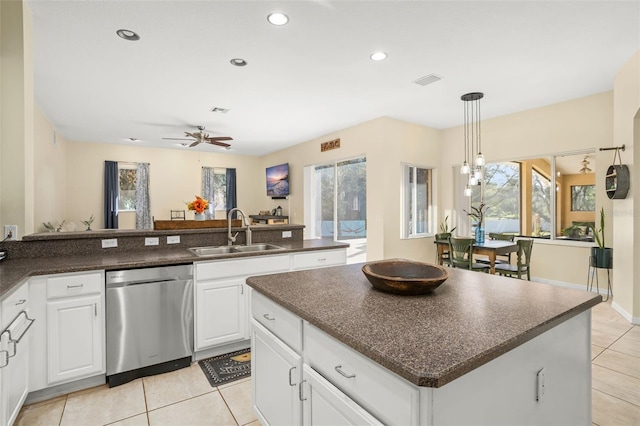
[[232, 201], [111, 195]]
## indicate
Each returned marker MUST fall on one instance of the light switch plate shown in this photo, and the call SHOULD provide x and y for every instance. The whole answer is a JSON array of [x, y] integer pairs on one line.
[[112, 242], [173, 239], [154, 241], [286, 234], [11, 230]]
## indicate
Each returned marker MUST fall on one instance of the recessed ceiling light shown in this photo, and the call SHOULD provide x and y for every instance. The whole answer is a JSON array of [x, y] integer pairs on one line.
[[277, 18], [183, 144], [220, 110], [133, 139], [128, 35], [238, 62], [378, 56]]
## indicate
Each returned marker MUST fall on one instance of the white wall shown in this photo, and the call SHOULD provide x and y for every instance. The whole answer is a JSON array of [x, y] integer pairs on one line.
[[174, 175]]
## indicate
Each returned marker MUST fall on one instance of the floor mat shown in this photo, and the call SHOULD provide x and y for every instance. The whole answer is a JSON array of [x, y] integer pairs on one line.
[[228, 367]]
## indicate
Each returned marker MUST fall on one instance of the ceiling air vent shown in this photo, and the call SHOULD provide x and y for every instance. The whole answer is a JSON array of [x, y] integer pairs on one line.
[[220, 110], [427, 79]]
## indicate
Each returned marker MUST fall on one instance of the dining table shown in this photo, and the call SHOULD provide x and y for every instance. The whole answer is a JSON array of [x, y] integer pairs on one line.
[[490, 248]]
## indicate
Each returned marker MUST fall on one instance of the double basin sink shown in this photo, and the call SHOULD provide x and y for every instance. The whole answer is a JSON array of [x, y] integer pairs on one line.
[[226, 250]]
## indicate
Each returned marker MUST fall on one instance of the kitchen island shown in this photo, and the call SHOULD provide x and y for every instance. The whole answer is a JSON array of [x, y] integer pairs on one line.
[[480, 349]]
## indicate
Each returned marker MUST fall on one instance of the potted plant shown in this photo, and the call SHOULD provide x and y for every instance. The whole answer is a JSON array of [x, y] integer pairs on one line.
[[601, 256], [477, 213], [445, 232]]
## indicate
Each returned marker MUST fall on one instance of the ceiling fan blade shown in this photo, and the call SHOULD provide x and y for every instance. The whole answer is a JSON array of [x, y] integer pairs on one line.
[[193, 135], [194, 144], [178, 139], [225, 145], [219, 138]]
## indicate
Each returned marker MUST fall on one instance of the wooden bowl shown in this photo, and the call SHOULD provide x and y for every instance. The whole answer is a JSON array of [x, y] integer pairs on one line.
[[404, 277]]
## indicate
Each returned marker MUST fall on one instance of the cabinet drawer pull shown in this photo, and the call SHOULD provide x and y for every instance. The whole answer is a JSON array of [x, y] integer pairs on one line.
[[300, 391], [69, 287], [290, 370], [348, 376], [21, 302], [268, 317]]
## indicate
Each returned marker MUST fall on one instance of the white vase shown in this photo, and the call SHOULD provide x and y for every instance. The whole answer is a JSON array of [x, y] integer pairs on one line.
[[199, 216]]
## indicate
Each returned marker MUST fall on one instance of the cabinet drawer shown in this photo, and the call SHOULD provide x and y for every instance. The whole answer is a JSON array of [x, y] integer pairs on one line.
[[282, 323], [320, 258], [17, 302], [241, 267], [74, 285], [379, 391]]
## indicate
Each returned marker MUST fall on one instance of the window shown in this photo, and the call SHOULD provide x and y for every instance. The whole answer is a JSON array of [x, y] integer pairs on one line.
[[214, 190], [127, 175], [583, 198], [416, 201], [522, 198]]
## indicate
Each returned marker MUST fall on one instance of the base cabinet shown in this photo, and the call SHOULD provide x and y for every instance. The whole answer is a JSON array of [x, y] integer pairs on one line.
[[221, 308], [14, 354], [325, 404], [276, 372], [74, 338]]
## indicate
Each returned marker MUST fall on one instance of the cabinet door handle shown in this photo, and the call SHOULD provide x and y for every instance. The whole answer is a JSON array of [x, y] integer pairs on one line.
[[300, 391], [5, 361], [69, 287], [322, 259], [21, 302], [291, 370], [268, 317], [348, 376], [241, 289], [95, 309]]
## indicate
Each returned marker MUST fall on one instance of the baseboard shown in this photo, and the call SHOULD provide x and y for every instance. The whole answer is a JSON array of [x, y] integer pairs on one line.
[[66, 388], [220, 350], [602, 291], [625, 314]]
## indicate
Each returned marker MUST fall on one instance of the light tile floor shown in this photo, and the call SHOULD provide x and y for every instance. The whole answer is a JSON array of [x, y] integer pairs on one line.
[[184, 397]]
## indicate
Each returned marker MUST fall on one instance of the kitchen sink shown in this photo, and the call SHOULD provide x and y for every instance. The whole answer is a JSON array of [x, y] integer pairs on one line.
[[257, 247], [222, 250]]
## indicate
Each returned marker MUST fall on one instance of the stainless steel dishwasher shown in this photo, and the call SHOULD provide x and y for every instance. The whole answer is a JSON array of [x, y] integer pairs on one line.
[[149, 321]]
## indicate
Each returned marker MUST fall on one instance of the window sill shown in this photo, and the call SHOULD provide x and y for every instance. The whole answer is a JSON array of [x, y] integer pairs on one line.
[[567, 243]]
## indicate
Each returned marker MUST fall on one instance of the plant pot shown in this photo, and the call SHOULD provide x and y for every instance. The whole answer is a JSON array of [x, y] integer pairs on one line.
[[198, 216], [601, 257]]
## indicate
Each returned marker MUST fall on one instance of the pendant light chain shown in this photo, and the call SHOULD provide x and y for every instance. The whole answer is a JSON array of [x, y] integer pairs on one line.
[[473, 158]]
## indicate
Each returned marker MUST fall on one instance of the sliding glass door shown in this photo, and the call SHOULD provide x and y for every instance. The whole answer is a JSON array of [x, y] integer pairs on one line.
[[338, 201]]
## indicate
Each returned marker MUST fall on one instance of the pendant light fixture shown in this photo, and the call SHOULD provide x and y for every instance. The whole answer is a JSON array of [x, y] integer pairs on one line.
[[472, 140]]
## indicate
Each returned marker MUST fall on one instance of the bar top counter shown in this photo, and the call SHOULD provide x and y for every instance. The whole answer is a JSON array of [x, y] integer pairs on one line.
[[429, 340]]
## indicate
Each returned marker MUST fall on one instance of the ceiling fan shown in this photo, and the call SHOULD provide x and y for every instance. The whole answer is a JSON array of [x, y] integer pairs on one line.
[[585, 164], [201, 137]]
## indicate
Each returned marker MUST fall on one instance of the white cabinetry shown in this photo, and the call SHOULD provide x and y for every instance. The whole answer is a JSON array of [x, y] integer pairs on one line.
[[14, 353], [325, 404], [275, 376], [68, 344], [221, 298], [319, 259]]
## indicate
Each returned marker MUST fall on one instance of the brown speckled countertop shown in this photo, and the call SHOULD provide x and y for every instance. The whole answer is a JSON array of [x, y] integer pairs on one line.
[[12, 272], [433, 339]]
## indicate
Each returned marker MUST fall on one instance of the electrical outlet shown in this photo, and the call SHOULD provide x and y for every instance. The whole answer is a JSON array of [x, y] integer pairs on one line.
[[286, 234], [151, 241], [11, 232], [173, 239], [112, 242]]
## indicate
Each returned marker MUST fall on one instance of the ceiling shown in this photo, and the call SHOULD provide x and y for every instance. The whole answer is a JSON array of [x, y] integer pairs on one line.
[[312, 76]]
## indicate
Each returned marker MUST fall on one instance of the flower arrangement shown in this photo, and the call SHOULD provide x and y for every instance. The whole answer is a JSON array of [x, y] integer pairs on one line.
[[198, 205], [477, 213], [88, 222]]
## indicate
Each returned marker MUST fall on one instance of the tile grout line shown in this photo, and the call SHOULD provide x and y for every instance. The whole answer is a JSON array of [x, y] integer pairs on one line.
[[63, 408], [616, 397], [229, 408]]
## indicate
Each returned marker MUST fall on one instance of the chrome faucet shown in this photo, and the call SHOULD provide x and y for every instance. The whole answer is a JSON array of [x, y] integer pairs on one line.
[[245, 220]]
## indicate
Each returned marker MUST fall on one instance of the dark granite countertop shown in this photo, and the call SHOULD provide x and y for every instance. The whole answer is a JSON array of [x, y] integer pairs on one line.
[[432, 339], [12, 272]]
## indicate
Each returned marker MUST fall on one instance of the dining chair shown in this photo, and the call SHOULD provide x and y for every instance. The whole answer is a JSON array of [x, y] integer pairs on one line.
[[506, 258], [523, 261], [461, 255], [444, 258]]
